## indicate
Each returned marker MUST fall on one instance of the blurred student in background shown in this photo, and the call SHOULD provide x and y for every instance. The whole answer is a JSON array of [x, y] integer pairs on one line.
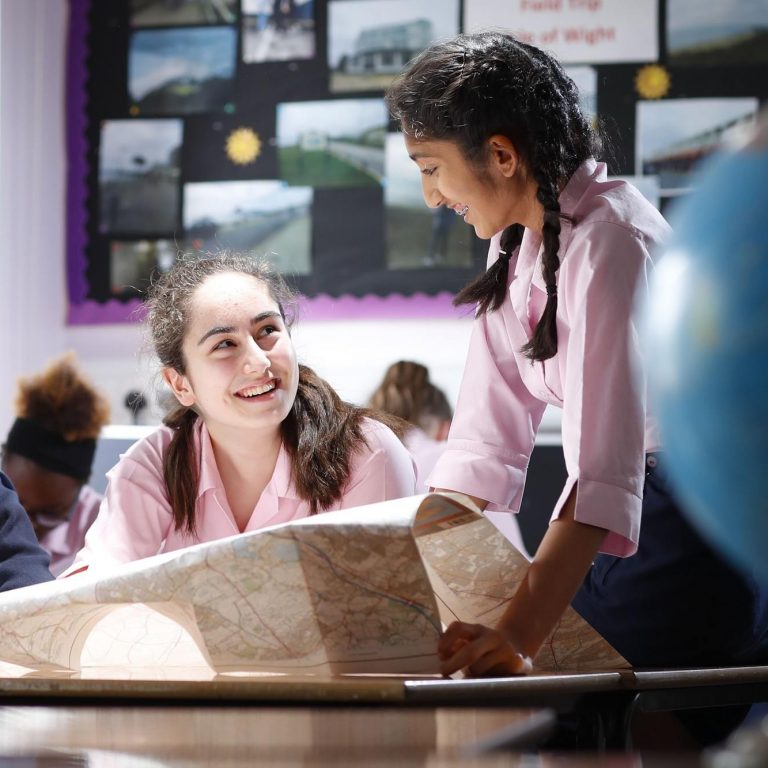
[[49, 452], [407, 392]]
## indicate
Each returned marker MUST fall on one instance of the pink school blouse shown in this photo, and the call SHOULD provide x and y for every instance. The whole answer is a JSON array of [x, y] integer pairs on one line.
[[66, 540], [596, 377], [135, 519]]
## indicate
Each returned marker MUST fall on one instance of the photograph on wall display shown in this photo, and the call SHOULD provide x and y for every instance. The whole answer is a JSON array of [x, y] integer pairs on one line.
[[717, 34], [585, 79], [178, 13], [418, 236], [278, 30], [675, 135], [182, 71], [224, 107], [370, 41], [336, 143], [267, 218], [139, 176], [132, 264]]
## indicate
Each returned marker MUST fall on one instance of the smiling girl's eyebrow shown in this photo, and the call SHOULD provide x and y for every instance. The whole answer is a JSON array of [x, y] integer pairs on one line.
[[215, 331], [270, 313], [255, 320]]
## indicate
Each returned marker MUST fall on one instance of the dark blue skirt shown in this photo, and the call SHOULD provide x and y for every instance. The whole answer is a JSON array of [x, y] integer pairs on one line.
[[676, 602]]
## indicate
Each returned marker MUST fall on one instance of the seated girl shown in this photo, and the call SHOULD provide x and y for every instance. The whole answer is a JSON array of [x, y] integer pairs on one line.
[[256, 439]]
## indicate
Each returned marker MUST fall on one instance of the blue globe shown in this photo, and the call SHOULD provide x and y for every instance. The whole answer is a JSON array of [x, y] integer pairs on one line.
[[705, 334]]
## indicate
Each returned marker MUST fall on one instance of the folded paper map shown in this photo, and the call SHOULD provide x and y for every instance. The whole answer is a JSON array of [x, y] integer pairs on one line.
[[363, 590]]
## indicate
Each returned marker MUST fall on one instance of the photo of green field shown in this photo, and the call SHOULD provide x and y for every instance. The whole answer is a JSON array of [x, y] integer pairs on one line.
[[336, 143], [319, 168]]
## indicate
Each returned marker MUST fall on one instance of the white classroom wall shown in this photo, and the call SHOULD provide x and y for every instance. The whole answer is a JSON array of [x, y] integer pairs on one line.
[[351, 355]]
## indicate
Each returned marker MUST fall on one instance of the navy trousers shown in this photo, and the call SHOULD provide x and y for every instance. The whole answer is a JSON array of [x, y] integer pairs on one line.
[[676, 602]]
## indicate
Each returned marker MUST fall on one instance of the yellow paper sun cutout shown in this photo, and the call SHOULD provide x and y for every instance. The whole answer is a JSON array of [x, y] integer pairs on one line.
[[652, 81], [243, 146]]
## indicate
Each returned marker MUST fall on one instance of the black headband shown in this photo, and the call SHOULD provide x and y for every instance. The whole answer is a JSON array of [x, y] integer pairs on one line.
[[51, 450]]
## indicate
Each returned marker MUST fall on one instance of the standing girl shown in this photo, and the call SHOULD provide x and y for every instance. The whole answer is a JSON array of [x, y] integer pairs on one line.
[[256, 438], [495, 128]]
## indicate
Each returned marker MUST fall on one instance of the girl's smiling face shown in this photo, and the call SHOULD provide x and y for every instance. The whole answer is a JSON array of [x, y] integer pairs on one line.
[[240, 364], [489, 198]]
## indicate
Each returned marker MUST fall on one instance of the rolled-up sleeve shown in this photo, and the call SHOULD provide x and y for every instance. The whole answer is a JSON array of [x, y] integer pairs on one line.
[[604, 403], [493, 431]]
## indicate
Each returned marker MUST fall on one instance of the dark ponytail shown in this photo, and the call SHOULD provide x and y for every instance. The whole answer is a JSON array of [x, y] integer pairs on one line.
[[321, 434], [488, 290], [543, 344], [180, 468]]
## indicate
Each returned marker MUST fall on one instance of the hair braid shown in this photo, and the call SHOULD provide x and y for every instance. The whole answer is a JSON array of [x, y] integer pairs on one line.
[[321, 434], [180, 468], [489, 289], [543, 344]]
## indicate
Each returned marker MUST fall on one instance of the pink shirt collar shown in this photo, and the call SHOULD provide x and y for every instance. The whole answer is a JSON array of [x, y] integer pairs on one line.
[[267, 509]]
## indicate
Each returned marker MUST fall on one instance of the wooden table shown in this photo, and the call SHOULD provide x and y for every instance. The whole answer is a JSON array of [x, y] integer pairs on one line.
[[240, 735], [605, 702], [172, 735], [201, 684]]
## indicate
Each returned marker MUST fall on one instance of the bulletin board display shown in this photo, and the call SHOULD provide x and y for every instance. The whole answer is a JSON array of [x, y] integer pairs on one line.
[[260, 126]]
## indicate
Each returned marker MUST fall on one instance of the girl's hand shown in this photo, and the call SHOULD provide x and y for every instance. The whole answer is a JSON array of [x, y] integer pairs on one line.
[[479, 651]]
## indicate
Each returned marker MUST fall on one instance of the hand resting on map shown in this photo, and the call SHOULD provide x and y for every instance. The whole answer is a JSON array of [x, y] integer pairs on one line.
[[480, 651]]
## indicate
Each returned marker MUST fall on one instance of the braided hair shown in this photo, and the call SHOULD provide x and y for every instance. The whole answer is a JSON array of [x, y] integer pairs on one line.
[[476, 86]]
